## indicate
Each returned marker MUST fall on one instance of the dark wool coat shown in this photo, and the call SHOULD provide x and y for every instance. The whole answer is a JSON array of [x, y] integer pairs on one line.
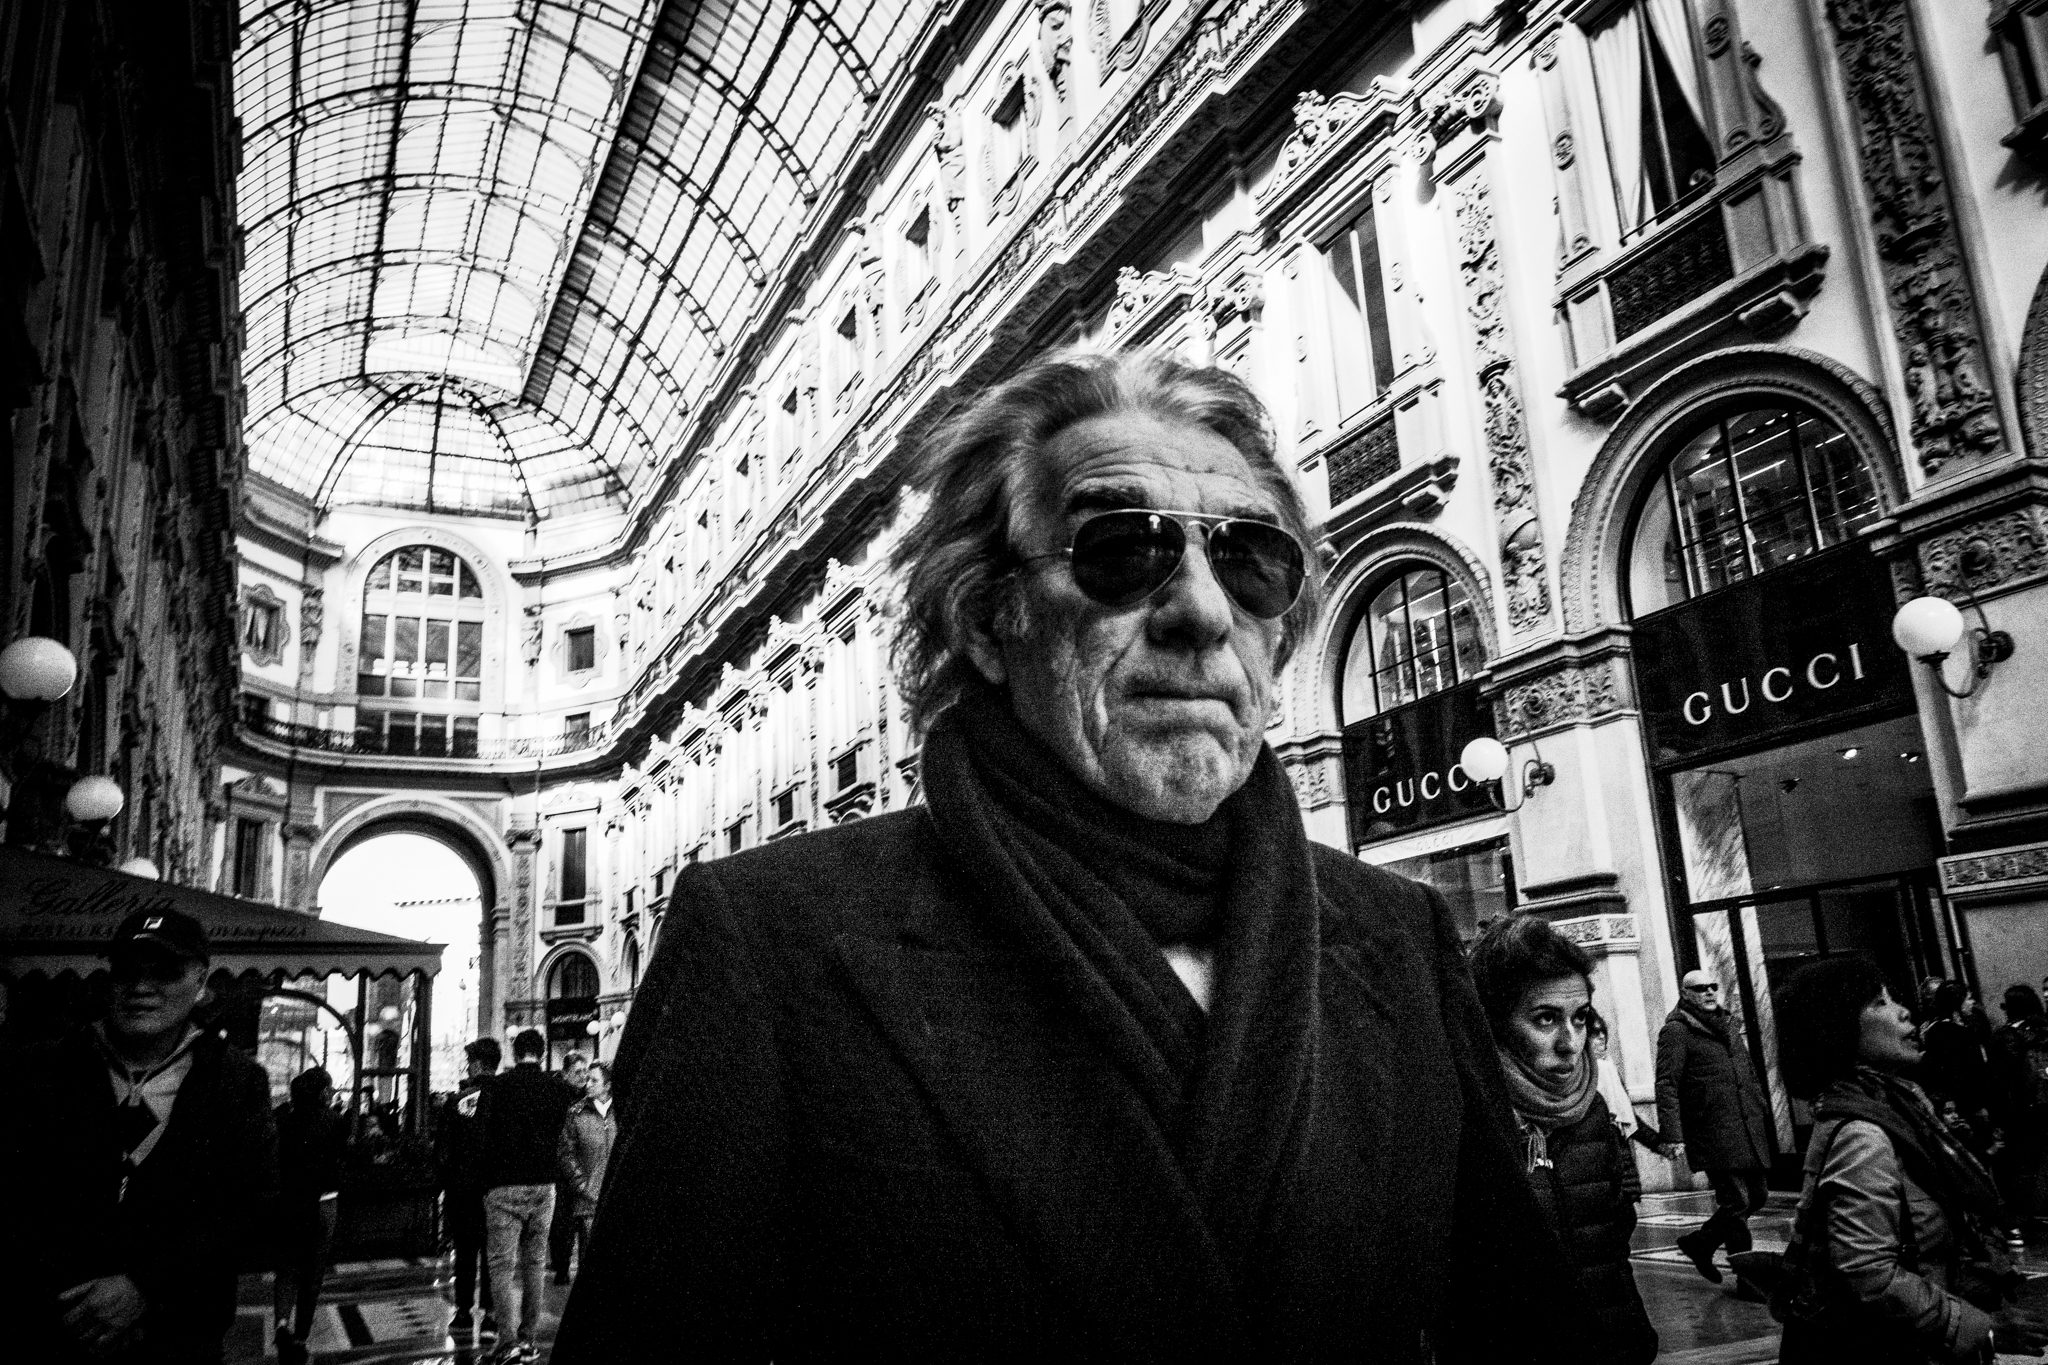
[[857, 1123], [1589, 1194], [1708, 1098], [198, 1209]]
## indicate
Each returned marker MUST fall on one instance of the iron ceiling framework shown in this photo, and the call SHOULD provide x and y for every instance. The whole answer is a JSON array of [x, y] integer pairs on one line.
[[497, 249]]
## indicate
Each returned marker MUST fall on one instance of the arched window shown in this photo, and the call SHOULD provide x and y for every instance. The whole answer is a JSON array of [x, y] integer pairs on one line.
[[419, 671], [1746, 492], [574, 977], [1419, 634], [632, 964]]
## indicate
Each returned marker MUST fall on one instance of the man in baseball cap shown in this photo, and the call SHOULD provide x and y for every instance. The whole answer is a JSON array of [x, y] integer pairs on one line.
[[155, 1161]]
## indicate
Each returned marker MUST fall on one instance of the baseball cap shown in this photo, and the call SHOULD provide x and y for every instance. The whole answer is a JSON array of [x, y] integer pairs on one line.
[[163, 930]]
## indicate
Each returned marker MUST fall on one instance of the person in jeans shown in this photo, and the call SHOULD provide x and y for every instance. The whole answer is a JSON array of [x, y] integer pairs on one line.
[[459, 1158], [522, 1112]]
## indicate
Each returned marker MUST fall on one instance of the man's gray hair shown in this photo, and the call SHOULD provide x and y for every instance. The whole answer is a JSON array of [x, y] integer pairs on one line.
[[957, 564]]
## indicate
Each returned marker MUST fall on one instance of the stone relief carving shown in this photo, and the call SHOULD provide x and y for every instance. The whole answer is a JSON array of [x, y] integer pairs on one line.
[[1056, 46], [1004, 177], [1991, 869], [1565, 697], [947, 150], [1119, 51], [1987, 554], [1507, 446], [1933, 305]]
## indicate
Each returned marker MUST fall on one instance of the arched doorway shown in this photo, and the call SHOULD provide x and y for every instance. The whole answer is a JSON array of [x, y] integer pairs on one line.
[[404, 882]]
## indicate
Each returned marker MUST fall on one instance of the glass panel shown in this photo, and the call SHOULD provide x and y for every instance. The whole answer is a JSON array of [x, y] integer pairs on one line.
[[1358, 316], [582, 648], [440, 563], [573, 882], [465, 737], [1471, 651], [405, 641], [404, 687], [1429, 618], [1473, 879], [469, 649], [1710, 523], [1844, 496], [468, 691], [1773, 495], [372, 648], [433, 736], [437, 648], [470, 587], [380, 575], [369, 685], [434, 687], [411, 564], [1387, 621], [402, 734]]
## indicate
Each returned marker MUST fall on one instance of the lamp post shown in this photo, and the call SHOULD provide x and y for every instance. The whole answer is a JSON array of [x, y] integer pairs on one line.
[[1485, 760]]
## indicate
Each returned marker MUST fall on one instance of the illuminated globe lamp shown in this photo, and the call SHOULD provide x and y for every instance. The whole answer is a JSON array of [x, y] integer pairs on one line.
[[142, 867], [1485, 761], [36, 669], [1929, 629], [94, 800]]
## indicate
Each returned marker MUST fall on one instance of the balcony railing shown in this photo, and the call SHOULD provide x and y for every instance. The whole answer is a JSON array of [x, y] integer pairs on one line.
[[377, 744]]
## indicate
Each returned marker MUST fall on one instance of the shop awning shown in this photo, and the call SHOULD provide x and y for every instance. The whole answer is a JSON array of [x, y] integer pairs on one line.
[[57, 915]]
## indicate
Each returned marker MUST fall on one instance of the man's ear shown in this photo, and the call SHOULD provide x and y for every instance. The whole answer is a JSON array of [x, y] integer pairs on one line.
[[987, 657]]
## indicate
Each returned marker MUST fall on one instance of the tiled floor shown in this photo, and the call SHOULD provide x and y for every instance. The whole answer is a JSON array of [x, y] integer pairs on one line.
[[396, 1312]]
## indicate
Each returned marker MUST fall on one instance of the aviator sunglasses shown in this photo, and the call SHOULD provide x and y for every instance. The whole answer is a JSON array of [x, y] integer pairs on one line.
[[1125, 556]]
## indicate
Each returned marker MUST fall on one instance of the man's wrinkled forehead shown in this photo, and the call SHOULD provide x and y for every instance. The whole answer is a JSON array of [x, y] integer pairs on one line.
[[1133, 459]]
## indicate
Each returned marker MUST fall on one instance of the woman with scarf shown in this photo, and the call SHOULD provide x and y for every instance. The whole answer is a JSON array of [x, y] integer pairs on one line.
[[1536, 988], [1893, 1253]]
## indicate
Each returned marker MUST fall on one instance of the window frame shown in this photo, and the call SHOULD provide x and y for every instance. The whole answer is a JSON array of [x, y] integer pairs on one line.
[[1401, 571], [1680, 437]]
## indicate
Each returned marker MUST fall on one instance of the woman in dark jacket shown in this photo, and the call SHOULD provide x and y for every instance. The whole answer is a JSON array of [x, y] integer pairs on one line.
[[1894, 1234], [1537, 991], [310, 1140]]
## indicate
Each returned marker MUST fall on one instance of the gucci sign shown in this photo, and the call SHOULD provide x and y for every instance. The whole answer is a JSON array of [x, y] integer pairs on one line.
[[1800, 650], [1823, 672], [1401, 768]]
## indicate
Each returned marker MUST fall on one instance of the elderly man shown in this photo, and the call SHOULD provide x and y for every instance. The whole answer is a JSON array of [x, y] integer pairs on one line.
[[143, 1169], [1094, 1056], [1710, 1107]]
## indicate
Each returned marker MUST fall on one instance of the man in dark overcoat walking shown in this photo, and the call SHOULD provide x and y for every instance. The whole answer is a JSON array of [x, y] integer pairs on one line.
[[1710, 1107], [1092, 1056]]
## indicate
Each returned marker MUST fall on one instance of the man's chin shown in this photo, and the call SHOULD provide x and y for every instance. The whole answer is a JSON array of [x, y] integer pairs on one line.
[[1181, 783]]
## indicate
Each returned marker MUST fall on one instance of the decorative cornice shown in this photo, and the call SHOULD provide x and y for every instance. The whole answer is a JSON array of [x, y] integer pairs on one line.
[[1330, 133], [1994, 553], [1572, 695], [2002, 874]]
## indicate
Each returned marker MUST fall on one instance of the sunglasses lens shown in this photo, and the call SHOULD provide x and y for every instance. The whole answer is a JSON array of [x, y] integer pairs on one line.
[[1260, 566], [1120, 557]]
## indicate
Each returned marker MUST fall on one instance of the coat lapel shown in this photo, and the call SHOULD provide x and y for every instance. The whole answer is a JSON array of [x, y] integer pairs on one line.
[[1069, 1151]]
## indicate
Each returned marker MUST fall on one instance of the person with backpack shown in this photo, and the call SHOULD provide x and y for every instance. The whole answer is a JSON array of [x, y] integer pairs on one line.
[[1894, 1258], [2022, 1096]]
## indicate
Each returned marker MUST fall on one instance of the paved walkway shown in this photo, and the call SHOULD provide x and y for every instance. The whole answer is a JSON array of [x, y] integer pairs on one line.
[[396, 1312]]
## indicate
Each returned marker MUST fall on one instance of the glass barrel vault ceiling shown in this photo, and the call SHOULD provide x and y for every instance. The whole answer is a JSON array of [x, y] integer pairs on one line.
[[496, 249]]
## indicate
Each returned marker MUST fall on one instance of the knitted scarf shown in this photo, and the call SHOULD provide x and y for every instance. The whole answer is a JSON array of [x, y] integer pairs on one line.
[[1092, 891], [1545, 1104]]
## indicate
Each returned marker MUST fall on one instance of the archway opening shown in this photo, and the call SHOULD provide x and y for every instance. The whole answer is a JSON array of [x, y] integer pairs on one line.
[[418, 887]]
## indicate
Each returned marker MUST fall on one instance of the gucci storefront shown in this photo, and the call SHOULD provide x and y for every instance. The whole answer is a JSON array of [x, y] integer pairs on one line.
[[1411, 703], [1795, 813]]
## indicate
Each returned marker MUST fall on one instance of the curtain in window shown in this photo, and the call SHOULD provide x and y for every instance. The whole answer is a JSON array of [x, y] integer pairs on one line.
[[1618, 68], [1671, 24]]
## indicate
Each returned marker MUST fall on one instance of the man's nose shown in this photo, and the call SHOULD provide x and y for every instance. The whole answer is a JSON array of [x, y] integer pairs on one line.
[[1193, 602]]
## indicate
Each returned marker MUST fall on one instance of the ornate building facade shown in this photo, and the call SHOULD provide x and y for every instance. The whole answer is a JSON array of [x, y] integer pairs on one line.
[[1640, 358], [120, 417]]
